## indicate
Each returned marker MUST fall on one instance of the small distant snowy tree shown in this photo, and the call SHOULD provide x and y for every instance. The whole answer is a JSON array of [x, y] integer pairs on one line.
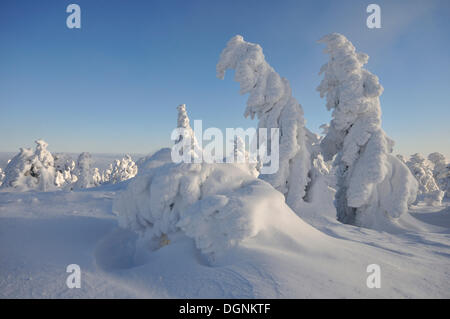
[[84, 172], [64, 166], [371, 183], [441, 171], [122, 170], [186, 140], [2, 176], [270, 99], [31, 170], [241, 157], [106, 174], [422, 169], [18, 171]]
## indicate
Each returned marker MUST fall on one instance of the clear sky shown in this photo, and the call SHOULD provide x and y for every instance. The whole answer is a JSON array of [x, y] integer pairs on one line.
[[114, 84]]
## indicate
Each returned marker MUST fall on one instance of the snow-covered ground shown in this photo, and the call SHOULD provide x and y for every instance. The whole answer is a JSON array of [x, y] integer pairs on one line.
[[41, 233]]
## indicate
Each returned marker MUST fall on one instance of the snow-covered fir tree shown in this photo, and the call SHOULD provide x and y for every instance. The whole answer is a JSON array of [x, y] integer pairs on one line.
[[106, 174], [441, 171], [84, 171], [185, 141], [270, 99], [17, 172], [43, 166], [422, 169], [64, 166], [121, 170], [371, 183]]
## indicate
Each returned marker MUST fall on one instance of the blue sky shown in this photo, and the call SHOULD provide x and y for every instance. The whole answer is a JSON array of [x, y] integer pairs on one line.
[[114, 84]]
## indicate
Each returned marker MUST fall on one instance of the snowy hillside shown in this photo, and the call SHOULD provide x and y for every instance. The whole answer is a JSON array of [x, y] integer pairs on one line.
[[42, 233]]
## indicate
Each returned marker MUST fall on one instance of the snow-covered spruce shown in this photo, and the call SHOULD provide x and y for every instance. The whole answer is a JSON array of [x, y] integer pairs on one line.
[[373, 185], [186, 144], [241, 157], [441, 171], [31, 170], [270, 99], [120, 170], [422, 169], [64, 167], [84, 172]]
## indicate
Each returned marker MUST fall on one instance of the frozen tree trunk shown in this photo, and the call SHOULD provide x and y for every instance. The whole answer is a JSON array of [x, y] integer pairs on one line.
[[270, 99], [365, 167]]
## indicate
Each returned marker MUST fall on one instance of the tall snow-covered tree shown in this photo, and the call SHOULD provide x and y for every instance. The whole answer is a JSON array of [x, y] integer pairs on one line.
[[43, 166], [372, 183], [64, 166], [270, 99]]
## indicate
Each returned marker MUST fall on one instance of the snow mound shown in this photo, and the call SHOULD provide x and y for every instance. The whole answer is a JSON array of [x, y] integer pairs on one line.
[[217, 205]]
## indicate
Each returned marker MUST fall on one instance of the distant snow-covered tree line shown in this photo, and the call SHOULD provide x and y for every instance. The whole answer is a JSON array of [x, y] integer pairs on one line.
[[44, 171]]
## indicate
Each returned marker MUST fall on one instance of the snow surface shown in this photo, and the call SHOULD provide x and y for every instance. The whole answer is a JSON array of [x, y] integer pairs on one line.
[[43, 232]]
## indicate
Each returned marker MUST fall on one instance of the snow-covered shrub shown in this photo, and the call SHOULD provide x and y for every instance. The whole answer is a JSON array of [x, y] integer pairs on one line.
[[106, 174], [441, 171], [84, 172], [96, 177], [270, 99], [119, 171], [422, 169], [31, 170], [218, 205], [64, 166], [372, 184]]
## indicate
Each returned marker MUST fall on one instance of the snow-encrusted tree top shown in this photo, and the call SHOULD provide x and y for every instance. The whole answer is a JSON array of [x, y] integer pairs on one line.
[[268, 91], [43, 155], [352, 92]]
